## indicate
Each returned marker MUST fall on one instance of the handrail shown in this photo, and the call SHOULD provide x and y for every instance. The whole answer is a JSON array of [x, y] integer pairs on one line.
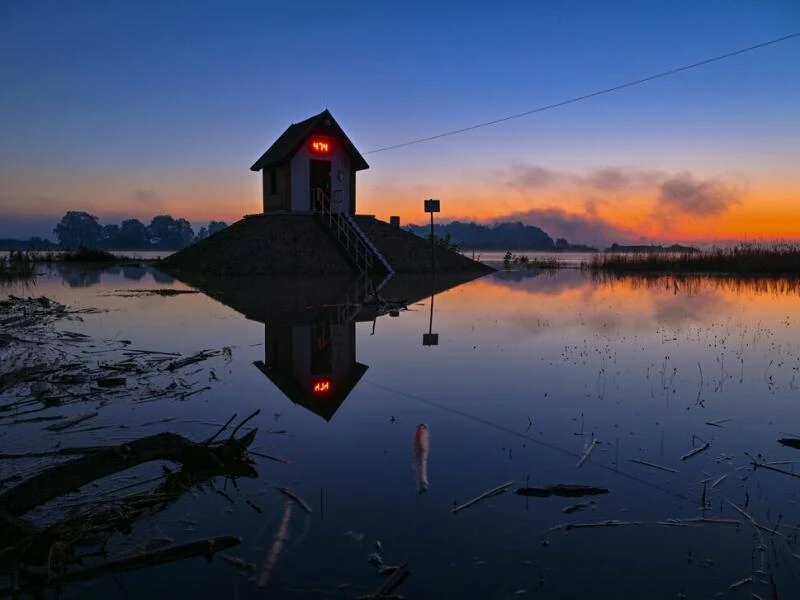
[[346, 232]]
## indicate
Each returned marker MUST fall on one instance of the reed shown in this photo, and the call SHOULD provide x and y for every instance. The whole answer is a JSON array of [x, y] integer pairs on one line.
[[748, 259], [18, 265]]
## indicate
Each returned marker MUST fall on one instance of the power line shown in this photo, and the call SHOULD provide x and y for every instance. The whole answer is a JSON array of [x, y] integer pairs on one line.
[[525, 436], [587, 96]]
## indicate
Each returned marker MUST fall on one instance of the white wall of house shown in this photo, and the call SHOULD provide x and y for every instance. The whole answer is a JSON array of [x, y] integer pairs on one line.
[[340, 178]]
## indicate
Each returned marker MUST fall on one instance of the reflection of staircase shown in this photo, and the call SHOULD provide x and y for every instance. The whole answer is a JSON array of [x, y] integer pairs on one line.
[[360, 250]]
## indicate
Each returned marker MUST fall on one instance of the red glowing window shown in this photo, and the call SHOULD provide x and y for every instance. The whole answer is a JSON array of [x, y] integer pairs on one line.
[[320, 145], [323, 386]]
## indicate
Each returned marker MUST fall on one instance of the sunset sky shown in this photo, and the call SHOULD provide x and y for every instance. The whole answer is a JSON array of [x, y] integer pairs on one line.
[[133, 109]]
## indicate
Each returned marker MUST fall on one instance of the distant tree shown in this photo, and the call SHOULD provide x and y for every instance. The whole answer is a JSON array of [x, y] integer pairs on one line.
[[133, 235], [110, 236], [215, 226], [562, 244], [168, 233], [201, 235], [78, 228]]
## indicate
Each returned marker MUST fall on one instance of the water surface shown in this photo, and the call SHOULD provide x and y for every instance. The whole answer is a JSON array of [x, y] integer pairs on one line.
[[525, 371]]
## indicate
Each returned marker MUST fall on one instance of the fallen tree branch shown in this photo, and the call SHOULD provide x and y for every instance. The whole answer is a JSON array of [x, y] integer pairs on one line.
[[696, 451], [294, 497], [492, 492], [205, 548], [67, 477], [654, 465], [606, 523], [587, 451]]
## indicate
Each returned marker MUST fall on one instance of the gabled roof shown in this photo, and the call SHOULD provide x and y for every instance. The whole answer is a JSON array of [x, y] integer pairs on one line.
[[296, 135], [324, 407]]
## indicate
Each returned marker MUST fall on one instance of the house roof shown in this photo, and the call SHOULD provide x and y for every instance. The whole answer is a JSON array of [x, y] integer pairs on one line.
[[324, 407], [295, 136]]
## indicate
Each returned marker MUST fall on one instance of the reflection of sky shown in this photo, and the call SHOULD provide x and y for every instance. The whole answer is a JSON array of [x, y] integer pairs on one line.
[[520, 369]]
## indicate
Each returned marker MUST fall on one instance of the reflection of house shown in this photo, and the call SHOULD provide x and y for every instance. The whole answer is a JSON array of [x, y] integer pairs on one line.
[[311, 159], [313, 364], [310, 325]]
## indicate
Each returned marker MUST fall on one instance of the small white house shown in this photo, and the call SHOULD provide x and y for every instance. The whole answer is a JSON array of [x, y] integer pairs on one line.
[[312, 163]]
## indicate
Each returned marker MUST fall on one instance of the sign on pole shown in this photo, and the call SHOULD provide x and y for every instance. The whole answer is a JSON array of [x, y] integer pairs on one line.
[[431, 206]]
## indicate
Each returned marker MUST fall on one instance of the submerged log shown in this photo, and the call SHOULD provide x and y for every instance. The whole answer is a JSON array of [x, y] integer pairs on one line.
[[70, 476], [205, 548], [560, 489], [492, 492], [791, 442]]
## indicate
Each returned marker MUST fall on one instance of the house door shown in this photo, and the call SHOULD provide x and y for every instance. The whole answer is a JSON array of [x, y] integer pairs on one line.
[[320, 180]]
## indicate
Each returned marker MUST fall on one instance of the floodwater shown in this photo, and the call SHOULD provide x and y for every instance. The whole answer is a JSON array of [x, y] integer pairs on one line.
[[515, 375]]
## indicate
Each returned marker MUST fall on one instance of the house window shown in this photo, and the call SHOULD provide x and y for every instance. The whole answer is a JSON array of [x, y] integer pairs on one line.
[[273, 181]]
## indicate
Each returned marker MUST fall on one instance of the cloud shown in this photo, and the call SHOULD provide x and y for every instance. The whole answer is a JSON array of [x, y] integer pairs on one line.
[[524, 176], [147, 199], [577, 228], [686, 194], [612, 179]]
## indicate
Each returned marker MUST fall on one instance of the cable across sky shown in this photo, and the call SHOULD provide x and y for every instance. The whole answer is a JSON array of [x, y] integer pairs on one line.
[[587, 96]]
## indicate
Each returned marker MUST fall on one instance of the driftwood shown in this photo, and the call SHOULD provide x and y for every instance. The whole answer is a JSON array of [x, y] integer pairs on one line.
[[64, 478], [696, 451], [70, 421], [587, 450], [791, 442], [205, 548], [560, 489], [572, 508], [654, 465], [606, 523], [281, 535], [492, 492], [393, 581], [761, 465], [295, 498], [699, 520]]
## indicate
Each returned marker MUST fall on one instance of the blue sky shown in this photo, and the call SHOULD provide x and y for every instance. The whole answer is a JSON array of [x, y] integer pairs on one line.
[[124, 108]]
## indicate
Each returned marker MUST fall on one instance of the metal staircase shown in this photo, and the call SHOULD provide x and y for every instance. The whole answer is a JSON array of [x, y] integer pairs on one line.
[[361, 251]]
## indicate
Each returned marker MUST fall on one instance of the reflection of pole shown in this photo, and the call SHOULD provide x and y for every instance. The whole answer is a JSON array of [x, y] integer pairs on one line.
[[430, 338], [430, 323]]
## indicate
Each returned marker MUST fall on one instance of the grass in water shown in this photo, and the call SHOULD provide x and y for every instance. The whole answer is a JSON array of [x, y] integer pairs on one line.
[[744, 259]]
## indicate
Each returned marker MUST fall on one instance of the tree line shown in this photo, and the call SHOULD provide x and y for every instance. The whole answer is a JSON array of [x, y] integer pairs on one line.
[[164, 232]]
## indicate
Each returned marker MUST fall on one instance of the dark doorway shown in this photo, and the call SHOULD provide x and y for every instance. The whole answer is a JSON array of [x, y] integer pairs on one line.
[[320, 174]]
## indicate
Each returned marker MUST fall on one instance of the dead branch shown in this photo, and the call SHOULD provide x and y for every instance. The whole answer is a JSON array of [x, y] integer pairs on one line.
[[294, 497], [560, 489], [654, 465], [240, 425], [606, 523], [205, 548], [67, 477], [696, 451], [492, 492], [281, 535], [587, 451], [70, 421], [761, 465]]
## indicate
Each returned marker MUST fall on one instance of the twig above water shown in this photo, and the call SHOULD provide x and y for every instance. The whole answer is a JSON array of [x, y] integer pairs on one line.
[[606, 523], [696, 451], [488, 494], [654, 465], [587, 450]]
